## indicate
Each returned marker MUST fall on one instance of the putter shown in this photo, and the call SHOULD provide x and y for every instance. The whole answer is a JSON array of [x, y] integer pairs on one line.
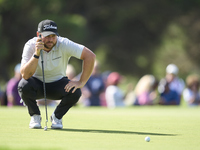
[[45, 99]]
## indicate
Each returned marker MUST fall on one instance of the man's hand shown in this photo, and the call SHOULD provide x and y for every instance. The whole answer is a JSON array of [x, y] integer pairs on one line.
[[73, 84], [88, 58], [39, 45]]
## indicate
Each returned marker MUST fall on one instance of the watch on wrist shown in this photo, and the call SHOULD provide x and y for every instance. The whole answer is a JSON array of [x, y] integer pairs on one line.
[[37, 57]]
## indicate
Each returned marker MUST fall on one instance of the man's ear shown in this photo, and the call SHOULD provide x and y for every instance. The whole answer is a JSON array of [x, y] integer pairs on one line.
[[38, 34]]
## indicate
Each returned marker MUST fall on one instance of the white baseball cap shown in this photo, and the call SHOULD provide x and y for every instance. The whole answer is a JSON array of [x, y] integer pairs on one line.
[[172, 69]]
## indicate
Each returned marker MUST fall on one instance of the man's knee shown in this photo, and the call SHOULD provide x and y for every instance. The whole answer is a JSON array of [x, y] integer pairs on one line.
[[78, 94], [26, 86], [72, 98]]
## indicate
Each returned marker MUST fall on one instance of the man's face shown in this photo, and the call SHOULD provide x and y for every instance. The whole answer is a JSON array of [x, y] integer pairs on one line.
[[49, 41], [170, 77]]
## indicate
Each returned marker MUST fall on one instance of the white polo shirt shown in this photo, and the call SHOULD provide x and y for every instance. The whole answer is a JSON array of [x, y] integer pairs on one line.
[[55, 61]]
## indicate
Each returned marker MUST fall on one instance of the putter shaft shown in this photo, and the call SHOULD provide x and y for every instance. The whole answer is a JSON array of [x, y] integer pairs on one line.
[[45, 99]]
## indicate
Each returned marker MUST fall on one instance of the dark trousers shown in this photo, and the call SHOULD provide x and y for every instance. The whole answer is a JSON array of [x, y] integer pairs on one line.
[[32, 89]]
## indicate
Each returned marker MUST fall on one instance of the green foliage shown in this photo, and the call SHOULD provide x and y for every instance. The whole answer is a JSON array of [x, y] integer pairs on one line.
[[133, 37]]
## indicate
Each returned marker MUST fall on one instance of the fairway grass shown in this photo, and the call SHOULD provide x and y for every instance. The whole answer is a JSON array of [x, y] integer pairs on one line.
[[93, 128]]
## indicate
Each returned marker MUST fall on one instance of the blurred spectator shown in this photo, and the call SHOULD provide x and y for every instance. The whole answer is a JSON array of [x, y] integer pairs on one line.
[[84, 99], [2, 98], [130, 96], [175, 83], [145, 90], [13, 97], [113, 94], [167, 95], [95, 86], [70, 71], [192, 94], [102, 95]]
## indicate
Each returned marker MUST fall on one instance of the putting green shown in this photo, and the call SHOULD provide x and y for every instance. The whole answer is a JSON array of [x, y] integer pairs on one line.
[[96, 128]]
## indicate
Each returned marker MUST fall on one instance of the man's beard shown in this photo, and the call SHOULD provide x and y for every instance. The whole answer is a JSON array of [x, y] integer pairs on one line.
[[49, 47]]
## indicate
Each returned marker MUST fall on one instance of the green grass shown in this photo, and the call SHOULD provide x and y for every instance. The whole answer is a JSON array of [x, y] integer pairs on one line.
[[175, 128]]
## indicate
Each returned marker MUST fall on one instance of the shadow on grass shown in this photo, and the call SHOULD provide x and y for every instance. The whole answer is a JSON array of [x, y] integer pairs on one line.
[[114, 132]]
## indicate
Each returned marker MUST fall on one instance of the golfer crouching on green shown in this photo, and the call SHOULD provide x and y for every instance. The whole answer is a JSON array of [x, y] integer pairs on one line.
[[56, 54]]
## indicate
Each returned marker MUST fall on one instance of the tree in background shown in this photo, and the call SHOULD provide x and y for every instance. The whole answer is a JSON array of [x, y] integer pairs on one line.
[[133, 37]]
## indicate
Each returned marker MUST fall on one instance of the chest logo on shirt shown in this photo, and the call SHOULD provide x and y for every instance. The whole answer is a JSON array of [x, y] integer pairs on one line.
[[56, 58]]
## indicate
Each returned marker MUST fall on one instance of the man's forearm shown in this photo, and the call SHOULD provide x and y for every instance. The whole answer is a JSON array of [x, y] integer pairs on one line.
[[88, 65], [87, 68], [28, 69]]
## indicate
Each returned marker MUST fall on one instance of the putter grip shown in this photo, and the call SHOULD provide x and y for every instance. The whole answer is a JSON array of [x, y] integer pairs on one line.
[[41, 53]]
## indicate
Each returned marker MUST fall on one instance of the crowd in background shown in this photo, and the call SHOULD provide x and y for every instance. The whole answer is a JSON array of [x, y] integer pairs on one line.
[[102, 89]]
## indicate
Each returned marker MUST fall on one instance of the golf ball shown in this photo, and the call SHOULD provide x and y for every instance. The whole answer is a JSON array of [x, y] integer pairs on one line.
[[45, 128], [147, 139]]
